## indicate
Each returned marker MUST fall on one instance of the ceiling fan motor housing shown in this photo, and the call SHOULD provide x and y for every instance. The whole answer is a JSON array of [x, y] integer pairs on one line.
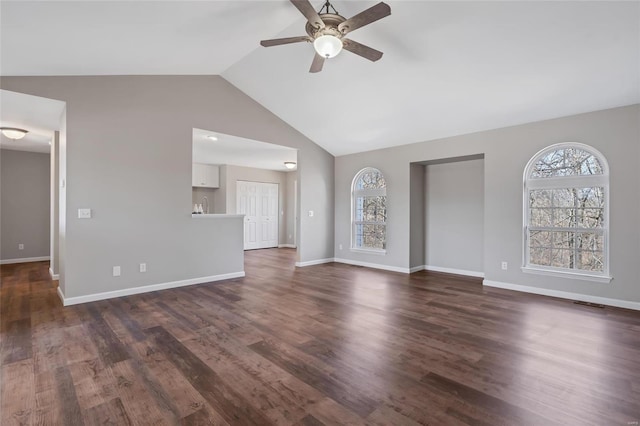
[[331, 22]]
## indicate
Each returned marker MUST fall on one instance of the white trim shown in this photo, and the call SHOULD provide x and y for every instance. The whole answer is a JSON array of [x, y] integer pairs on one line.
[[24, 260], [454, 271], [66, 301], [627, 304], [377, 252], [373, 265], [287, 246], [216, 216], [61, 296], [314, 262], [54, 276], [567, 274], [417, 269]]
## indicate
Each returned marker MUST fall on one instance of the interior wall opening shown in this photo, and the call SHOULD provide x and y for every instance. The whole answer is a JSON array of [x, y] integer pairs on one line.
[[447, 215], [234, 175]]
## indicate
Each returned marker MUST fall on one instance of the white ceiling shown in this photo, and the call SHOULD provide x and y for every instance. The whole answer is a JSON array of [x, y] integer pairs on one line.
[[40, 116], [449, 67], [238, 151]]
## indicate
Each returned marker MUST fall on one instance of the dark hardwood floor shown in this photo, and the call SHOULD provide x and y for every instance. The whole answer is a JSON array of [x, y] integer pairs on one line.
[[326, 344]]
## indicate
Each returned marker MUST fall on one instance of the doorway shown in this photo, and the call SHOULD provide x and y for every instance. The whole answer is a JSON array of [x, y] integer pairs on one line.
[[259, 202]]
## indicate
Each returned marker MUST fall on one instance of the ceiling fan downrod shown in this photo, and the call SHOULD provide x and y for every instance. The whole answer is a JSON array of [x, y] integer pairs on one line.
[[326, 7]]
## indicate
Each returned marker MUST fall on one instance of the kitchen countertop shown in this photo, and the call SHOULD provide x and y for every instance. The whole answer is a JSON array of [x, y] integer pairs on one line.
[[216, 216]]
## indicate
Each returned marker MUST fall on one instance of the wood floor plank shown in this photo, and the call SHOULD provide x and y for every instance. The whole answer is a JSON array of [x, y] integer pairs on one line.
[[108, 413], [66, 392], [18, 393], [232, 406]]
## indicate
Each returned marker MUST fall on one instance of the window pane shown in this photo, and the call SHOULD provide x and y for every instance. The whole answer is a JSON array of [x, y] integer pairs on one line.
[[562, 258], [541, 217], [590, 197], [566, 162], [564, 218], [371, 179], [590, 218], [540, 239], [539, 198], [564, 197], [589, 241], [540, 256], [374, 209], [591, 261], [370, 236], [564, 240]]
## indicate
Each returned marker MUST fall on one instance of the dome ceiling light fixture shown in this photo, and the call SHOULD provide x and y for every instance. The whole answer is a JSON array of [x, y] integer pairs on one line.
[[290, 165], [13, 132], [326, 29]]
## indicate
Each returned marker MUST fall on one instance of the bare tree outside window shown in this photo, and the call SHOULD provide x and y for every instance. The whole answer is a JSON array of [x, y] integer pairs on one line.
[[566, 206], [369, 210]]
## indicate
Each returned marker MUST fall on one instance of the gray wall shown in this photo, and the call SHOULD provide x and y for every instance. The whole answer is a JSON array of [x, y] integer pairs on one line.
[[455, 215], [25, 204], [417, 223], [613, 132], [54, 263], [291, 208], [128, 157]]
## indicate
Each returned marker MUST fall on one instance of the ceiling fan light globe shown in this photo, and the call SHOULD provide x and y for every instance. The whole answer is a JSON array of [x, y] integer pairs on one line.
[[327, 46]]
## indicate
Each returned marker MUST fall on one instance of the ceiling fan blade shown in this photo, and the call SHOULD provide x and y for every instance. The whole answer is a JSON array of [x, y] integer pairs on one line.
[[309, 12], [366, 17], [316, 65], [287, 40], [361, 50]]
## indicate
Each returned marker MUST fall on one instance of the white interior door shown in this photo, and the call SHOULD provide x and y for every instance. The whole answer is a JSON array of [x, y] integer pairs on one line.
[[247, 200], [258, 201]]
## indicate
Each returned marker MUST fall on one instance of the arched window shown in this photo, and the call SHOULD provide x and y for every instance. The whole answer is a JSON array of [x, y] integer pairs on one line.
[[566, 213], [369, 211]]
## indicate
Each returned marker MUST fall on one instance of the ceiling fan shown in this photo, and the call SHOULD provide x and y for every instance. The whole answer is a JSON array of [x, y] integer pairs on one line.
[[327, 31]]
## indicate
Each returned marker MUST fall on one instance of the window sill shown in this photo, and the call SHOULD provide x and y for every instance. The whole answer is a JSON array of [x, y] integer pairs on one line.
[[566, 274], [369, 251]]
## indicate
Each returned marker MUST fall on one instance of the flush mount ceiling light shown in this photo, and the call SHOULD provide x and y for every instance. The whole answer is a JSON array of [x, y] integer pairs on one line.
[[13, 132], [327, 29], [213, 138], [290, 165]]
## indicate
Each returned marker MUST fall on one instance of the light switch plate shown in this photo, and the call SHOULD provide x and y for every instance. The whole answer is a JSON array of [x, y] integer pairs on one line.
[[310, 213], [84, 213]]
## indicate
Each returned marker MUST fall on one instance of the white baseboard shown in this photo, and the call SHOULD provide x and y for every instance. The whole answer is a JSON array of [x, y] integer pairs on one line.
[[286, 246], [54, 277], [416, 269], [314, 262], [373, 265], [564, 295], [66, 301], [23, 260], [454, 271]]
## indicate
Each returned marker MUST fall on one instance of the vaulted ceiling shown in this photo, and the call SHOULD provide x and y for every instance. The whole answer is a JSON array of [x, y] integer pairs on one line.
[[448, 67]]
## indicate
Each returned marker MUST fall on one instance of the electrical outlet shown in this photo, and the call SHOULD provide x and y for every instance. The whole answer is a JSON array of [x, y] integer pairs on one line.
[[340, 246], [310, 213], [143, 267], [84, 213], [504, 266], [116, 271], [20, 246]]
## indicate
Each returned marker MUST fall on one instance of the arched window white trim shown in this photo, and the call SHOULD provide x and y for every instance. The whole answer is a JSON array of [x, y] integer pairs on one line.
[[566, 213], [369, 211]]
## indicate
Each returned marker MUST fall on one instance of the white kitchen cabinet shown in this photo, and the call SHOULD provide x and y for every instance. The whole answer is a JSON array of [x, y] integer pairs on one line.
[[205, 175]]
